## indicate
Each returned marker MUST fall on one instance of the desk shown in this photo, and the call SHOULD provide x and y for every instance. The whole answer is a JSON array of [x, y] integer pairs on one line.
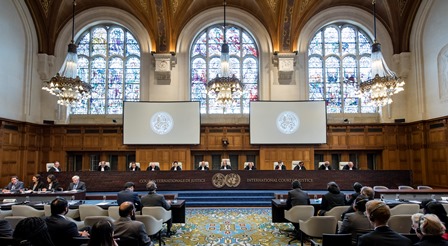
[[43, 196], [412, 194], [278, 207]]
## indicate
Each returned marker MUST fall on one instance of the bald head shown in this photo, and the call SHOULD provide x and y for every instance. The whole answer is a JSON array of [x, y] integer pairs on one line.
[[126, 209]]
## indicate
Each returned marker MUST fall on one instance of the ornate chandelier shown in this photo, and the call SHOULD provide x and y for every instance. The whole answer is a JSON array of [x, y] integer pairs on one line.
[[385, 82], [225, 88], [67, 85]]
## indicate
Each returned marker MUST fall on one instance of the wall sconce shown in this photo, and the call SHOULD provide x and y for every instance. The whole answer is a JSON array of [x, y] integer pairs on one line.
[[225, 142]]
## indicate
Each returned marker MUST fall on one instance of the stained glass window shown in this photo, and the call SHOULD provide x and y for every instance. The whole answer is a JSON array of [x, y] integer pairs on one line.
[[206, 64], [338, 60], [108, 59]]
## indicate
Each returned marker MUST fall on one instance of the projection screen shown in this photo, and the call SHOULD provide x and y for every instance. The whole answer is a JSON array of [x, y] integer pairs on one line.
[[298, 122], [161, 123]]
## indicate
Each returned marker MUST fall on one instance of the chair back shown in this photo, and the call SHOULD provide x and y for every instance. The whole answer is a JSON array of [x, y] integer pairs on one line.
[[405, 187], [298, 213], [445, 206], [336, 239], [4, 213], [91, 220], [49, 166], [113, 212], [152, 225], [400, 223], [316, 226], [379, 187], [91, 210], [157, 212], [404, 209], [26, 211], [14, 220], [337, 211], [424, 187]]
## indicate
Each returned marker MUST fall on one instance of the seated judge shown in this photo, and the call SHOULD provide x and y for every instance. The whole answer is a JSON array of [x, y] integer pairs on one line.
[[55, 168], [202, 166], [14, 186], [37, 183], [300, 166], [52, 183], [225, 165], [250, 166], [280, 166], [76, 184], [152, 167], [133, 167], [175, 166], [102, 166], [349, 166], [325, 166]]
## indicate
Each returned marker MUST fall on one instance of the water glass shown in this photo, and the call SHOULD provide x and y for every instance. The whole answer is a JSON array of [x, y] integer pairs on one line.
[[397, 197], [104, 198]]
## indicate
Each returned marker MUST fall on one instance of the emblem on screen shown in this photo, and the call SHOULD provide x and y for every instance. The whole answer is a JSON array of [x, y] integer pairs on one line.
[[161, 123], [288, 122]]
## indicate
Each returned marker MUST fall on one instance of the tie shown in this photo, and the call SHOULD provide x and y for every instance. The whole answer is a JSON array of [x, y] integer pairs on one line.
[[13, 187], [75, 186]]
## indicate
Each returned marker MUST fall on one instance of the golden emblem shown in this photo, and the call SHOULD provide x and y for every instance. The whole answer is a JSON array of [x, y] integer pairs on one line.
[[219, 180], [233, 180]]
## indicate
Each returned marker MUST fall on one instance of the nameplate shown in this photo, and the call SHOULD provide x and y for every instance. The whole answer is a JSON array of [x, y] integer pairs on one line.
[[10, 200]]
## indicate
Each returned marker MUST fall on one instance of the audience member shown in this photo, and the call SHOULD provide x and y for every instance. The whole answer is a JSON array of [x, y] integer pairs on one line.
[[300, 166], [152, 167], [128, 194], [430, 230], [357, 190], [365, 191], [334, 197], [325, 166], [225, 165], [175, 166], [349, 166], [14, 186], [379, 213], [76, 184], [436, 208], [202, 166], [62, 230], [356, 222], [37, 183], [297, 196], [128, 228], [53, 183], [250, 166], [5, 228], [103, 166], [34, 230], [102, 234], [154, 199], [280, 166], [55, 168], [415, 218], [133, 167]]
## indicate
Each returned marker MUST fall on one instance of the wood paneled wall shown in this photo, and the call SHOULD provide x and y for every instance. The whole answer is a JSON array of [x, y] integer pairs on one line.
[[419, 146]]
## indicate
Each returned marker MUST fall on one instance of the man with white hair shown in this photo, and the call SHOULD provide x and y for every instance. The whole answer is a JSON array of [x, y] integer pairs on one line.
[[76, 184]]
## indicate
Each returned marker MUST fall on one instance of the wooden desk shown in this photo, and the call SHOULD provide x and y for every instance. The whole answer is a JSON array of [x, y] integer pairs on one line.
[[278, 207], [43, 196], [418, 195]]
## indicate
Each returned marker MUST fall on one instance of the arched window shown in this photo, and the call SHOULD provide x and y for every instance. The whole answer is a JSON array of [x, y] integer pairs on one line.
[[338, 60], [108, 59], [205, 64]]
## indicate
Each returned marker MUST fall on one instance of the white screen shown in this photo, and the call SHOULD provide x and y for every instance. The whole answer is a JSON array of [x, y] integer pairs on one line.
[[161, 123], [301, 122]]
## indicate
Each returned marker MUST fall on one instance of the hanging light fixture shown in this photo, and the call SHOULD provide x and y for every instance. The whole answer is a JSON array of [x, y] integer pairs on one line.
[[66, 84], [385, 82], [226, 88]]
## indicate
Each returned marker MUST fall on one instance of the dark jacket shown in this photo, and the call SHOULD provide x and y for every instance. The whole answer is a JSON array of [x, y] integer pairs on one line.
[[331, 200], [39, 185], [61, 230], [131, 196], [432, 241], [383, 236], [297, 197]]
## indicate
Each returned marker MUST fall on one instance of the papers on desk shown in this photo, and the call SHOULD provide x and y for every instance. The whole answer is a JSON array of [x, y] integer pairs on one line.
[[444, 198], [8, 204], [415, 201], [103, 203]]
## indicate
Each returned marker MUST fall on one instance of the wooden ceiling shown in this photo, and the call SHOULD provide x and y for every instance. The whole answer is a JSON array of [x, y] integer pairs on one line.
[[164, 19]]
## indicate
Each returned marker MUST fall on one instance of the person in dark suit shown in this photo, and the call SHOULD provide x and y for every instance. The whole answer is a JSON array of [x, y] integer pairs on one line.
[[325, 166], [357, 187], [379, 213], [37, 183], [127, 227], [202, 166], [102, 166], [250, 166], [356, 222], [14, 186], [297, 196], [334, 197], [153, 167], [300, 167], [153, 199], [225, 165], [430, 230], [133, 167], [55, 167], [175, 166], [128, 194], [349, 166], [76, 184], [280, 166], [5, 229], [52, 183], [62, 230]]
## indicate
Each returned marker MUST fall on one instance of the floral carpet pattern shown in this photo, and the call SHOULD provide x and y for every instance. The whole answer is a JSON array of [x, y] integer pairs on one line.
[[229, 226]]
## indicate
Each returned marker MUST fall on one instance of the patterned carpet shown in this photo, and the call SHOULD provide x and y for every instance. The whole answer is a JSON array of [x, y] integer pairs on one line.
[[229, 226]]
